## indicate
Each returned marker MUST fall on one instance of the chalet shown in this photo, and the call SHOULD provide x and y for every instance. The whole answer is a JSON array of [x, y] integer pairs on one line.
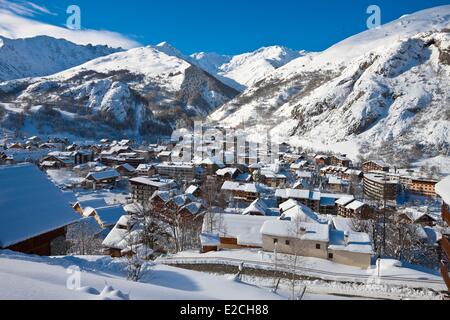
[[106, 217], [295, 167], [210, 165], [34, 213], [352, 174], [257, 208], [355, 209], [53, 162], [194, 190], [341, 205], [308, 198], [228, 174], [416, 216], [192, 210], [118, 239], [272, 178], [103, 178], [324, 203], [143, 188], [146, 170], [322, 160], [16, 146], [240, 191], [83, 156], [336, 184], [375, 165], [341, 161], [165, 156], [81, 206], [126, 170]]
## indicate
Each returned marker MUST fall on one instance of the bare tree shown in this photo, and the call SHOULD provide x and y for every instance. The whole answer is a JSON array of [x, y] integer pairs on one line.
[[82, 238]]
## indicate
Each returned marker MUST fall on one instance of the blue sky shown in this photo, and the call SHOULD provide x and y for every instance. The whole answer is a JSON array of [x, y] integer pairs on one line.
[[232, 26]]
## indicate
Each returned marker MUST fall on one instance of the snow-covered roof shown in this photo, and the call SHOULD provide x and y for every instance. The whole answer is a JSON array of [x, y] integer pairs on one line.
[[301, 212], [92, 203], [301, 231], [414, 214], [345, 200], [134, 208], [103, 175], [192, 189], [343, 224], [144, 167], [193, 207], [118, 237], [288, 204], [355, 205], [110, 215], [297, 194], [246, 229], [236, 186], [30, 205], [151, 182], [443, 190], [257, 207], [357, 242], [224, 171], [127, 167]]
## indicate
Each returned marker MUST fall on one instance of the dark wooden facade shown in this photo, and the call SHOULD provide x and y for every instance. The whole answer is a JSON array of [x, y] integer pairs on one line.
[[40, 245]]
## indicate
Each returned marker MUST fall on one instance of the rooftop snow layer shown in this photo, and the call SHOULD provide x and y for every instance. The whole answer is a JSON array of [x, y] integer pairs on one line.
[[30, 205]]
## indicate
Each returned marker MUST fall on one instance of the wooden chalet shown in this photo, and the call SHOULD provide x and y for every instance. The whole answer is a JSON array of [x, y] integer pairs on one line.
[[34, 214]]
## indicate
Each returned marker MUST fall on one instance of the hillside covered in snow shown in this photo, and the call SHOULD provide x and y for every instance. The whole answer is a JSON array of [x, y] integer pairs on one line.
[[385, 88], [102, 278], [43, 55], [140, 92]]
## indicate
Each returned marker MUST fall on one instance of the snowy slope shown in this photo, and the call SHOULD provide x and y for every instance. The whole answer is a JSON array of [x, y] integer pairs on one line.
[[138, 92], [34, 278], [42, 55], [248, 68], [239, 71], [385, 88]]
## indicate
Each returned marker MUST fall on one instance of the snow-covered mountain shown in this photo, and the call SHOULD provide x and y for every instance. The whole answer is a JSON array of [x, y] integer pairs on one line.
[[138, 92], [386, 88], [244, 70], [42, 55], [240, 71]]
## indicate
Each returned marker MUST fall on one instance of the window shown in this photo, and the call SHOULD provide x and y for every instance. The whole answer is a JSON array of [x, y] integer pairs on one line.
[[330, 256], [318, 246], [288, 243], [275, 241]]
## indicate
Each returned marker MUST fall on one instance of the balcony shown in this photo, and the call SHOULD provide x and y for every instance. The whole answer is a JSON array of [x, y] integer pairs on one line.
[[445, 273], [446, 213]]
